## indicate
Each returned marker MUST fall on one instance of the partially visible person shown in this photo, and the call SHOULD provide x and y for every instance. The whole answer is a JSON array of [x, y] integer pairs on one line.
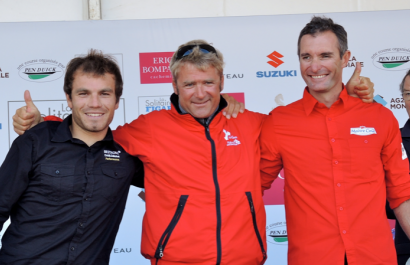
[[64, 184], [340, 158], [401, 241]]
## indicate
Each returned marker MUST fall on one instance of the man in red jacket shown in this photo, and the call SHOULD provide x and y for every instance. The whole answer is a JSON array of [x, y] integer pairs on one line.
[[203, 192]]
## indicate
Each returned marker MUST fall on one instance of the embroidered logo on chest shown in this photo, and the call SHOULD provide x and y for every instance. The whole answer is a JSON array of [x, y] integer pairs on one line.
[[231, 139], [362, 130], [112, 155]]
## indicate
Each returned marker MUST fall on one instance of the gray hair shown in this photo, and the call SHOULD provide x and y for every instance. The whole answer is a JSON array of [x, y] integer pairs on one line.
[[201, 60]]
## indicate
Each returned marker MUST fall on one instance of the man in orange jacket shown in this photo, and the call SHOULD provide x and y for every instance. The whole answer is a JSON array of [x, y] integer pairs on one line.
[[203, 192]]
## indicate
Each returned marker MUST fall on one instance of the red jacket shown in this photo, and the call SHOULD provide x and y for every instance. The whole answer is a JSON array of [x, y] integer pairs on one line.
[[203, 191]]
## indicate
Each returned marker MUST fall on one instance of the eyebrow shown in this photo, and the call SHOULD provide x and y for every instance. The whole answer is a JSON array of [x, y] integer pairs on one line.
[[102, 90], [326, 53]]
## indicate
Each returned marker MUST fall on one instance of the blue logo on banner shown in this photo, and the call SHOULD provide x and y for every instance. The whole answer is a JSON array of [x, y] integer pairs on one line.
[[379, 99]]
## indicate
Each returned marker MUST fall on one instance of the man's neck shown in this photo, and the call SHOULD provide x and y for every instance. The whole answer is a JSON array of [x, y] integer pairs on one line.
[[87, 137], [329, 97]]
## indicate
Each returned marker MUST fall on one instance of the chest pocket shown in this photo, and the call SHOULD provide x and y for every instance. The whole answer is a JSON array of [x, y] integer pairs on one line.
[[57, 181], [365, 157], [113, 179]]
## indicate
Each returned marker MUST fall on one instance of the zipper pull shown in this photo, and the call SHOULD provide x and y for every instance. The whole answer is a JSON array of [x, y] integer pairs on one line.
[[161, 254], [252, 210]]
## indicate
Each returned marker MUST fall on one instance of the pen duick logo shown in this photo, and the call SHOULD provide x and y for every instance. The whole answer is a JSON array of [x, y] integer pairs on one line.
[[277, 233], [4, 74], [392, 59], [154, 67], [41, 70]]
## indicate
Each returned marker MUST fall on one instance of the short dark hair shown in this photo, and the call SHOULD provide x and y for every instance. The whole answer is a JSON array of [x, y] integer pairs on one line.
[[322, 24], [95, 63], [402, 82]]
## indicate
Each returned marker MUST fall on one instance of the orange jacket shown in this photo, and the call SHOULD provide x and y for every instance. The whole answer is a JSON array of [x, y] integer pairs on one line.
[[203, 191]]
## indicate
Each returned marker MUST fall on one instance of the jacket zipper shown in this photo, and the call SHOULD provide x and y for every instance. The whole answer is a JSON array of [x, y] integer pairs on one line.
[[217, 198], [159, 253], [255, 225]]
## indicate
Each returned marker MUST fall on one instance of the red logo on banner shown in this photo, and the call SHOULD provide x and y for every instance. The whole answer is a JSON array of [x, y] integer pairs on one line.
[[274, 56], [275, 196], [154, 67], [240, 97]]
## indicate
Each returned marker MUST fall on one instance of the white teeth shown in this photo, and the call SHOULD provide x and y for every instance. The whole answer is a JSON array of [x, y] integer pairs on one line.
[[318, 76], [93, 115]]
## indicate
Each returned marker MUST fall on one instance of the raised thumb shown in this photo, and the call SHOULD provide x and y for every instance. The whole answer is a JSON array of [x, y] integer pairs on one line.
[[357, 70], [30, 107]]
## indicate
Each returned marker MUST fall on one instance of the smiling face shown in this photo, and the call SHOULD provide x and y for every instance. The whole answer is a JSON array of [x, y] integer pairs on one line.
[[320, 63], [93, 103], [198, 90]]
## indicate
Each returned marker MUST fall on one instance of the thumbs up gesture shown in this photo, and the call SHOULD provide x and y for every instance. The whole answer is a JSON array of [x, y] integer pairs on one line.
[[360, 86], [27, 116]]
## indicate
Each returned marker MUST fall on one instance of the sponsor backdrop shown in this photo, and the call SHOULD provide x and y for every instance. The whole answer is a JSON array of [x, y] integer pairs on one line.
[[262, 69]]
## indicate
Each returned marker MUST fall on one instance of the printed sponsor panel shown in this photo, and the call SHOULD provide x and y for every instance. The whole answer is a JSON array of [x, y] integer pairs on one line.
[[154, 67], [276, 234], [276, 61], [275, 195], [392, 59], [4, 74], [41, 70]]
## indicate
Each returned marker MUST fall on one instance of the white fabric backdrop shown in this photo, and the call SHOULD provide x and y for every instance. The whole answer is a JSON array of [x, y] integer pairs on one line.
[[245, 42]]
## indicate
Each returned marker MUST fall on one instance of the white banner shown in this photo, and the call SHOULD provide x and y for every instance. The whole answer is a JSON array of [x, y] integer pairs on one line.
[[262, 68]]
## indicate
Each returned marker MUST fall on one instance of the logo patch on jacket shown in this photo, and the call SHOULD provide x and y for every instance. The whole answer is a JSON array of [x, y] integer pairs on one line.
[[362, 130], [112, 155], [230, 139]]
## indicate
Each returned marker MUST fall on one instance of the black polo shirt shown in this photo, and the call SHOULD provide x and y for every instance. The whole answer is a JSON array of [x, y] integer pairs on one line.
[[65, 199]]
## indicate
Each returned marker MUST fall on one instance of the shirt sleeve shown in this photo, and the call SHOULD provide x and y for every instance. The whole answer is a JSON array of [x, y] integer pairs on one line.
[[395, 163], [271, 160], [14, 175], [138, 179], [136, 138]]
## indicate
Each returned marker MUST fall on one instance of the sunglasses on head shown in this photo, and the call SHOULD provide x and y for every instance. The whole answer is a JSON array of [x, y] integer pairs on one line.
[[187, 50]]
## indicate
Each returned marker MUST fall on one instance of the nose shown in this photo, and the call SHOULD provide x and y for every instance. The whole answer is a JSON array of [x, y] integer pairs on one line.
[[94, 101], [315, 65], [200, 91]]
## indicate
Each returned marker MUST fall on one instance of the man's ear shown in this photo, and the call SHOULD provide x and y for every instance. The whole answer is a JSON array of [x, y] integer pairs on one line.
[[69, 102], [346, 58]]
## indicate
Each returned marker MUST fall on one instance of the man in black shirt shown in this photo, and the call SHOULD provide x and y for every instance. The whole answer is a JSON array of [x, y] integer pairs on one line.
[[65, 184]]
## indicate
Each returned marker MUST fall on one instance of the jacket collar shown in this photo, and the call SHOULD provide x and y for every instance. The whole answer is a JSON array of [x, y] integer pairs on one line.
[[63, 132]]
